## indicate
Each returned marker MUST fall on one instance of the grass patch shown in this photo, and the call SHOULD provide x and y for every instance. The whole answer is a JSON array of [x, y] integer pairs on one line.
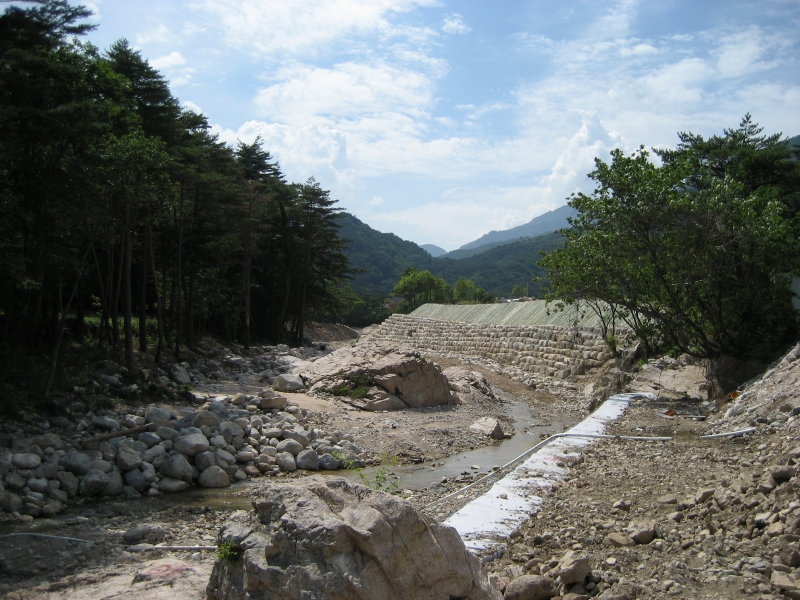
[[351, 385]]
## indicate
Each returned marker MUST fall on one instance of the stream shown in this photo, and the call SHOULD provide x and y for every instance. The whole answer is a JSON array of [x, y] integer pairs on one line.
[[474, 462]]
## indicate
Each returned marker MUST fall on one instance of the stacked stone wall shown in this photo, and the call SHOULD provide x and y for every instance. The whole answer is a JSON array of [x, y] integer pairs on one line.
[[550, 350]]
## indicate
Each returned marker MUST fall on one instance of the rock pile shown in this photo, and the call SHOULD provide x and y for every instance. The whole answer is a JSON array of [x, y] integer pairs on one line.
[[333, 539], [697, 518], [548, 350], [154, 450]]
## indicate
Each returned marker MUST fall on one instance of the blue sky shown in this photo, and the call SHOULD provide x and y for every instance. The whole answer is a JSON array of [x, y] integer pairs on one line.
[[441, 120]]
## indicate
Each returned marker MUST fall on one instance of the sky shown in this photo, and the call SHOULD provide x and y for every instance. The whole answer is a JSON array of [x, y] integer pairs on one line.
[[442, 120]]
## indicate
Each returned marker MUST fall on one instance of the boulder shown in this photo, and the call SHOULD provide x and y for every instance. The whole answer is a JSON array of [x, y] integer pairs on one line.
[[308, 460], [573, 567], [530, 587], [340, 540], [214, 477], [26, 460], [488, 426], [177, 467], [179, 375], [128, 458], [399, 372], [288, 383], [191, 444]]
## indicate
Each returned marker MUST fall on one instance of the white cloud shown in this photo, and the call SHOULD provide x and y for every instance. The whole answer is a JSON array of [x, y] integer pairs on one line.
[[638, 50], [170, 61], [454, 24], [742, 53], [273, 29], [158, 33], [346, 91]]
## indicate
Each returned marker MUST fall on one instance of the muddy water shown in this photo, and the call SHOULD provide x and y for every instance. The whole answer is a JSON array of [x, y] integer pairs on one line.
[[413, 477], [480, 460]]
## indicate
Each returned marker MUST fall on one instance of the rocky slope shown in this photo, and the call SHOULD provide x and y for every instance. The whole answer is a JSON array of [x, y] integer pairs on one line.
[[711, 518]]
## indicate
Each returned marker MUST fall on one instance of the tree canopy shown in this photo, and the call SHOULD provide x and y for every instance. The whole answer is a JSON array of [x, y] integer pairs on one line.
[[125, 224], [694, 247]]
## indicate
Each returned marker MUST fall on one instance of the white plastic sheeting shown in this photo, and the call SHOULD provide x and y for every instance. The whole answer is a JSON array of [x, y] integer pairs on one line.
[[491, 518]]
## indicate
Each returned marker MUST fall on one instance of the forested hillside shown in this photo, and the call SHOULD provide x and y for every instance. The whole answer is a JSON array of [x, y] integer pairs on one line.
[[501, 268], [379, 259]]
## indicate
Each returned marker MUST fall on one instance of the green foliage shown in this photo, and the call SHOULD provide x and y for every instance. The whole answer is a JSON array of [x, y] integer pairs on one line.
[[380, 480], [419, 287], [696, 253], [345, 462], [353, 385], [117, 204], [229, 552]]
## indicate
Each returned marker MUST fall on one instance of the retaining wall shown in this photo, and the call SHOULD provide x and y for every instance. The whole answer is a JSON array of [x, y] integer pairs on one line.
[[551, 350]]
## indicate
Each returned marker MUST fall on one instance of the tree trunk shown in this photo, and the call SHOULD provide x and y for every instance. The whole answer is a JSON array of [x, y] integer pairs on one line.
[[127, 291]]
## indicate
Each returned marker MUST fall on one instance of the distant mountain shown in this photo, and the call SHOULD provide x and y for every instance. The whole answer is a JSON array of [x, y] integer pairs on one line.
[[434, 250], [379, 260], [546, 223]]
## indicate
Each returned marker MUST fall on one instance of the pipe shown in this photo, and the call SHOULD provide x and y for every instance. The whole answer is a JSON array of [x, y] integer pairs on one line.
[[52, 537], [729, 433], [176, 548]]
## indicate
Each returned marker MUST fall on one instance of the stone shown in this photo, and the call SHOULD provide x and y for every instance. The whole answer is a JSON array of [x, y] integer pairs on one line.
[[290, 445], [286, 462], [93, 483], [573, 567], [145, 532], [191, 444], [298, 436], [177, 466], [350, 541], [231, 431], [530, 587], [288, 383], [398, 371], [105, 422], [273, 402], [488, 426], [157, 413], [166, 433], [783, 472], [787, 582], [136, 479], [328, 462], [128, 458], [704, 495], [26, 460], [179, 375], [308, 460], [205, 417], [213, 477], [172, 485], [203, 460], [643, 532], [619, 539]]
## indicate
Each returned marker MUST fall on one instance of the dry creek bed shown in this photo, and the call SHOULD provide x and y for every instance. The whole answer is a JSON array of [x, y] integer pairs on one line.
[[700, 497]]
